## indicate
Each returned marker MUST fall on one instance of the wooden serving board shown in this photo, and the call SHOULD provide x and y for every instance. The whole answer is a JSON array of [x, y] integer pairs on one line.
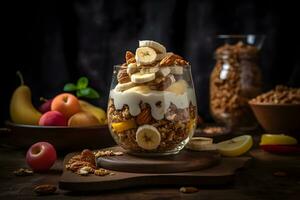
[[214, 171]]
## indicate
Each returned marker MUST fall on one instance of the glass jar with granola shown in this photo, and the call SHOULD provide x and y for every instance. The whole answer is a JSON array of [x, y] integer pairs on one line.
[[235, 79], [152, 105]]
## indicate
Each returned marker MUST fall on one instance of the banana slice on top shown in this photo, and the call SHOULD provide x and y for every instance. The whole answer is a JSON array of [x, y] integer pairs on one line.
[[148, 137], [120, 87], [155, 45], [145, 55], [142, 78], [149, 70], [132, 68]]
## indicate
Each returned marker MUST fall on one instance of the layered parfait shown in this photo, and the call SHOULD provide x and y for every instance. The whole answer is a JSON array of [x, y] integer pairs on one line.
[[152, 106]]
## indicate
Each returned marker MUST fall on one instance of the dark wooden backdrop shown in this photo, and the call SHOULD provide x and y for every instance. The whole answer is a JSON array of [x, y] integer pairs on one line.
[[54, 42]]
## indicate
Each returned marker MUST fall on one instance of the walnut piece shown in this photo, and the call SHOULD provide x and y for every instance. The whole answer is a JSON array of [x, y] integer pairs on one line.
[[123, 76], [45, 189], [101, 172], [144, 117], [23, 172]]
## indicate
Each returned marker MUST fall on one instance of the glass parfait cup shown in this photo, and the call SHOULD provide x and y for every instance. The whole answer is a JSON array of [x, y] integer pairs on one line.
[[153, 118]]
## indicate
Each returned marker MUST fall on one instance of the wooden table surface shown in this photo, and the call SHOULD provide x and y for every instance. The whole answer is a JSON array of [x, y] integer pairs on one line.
[[257, 181]]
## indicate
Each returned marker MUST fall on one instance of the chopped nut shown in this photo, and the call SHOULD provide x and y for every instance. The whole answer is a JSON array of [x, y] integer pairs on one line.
[[123, 76], [181, 62], [108, 153], [79, 164], [82, 172], [188, 189], [129, 57], [145, 116], [23, 172], [45, 189], [280, 95], [88, 156], [101, 172], [169, 60]]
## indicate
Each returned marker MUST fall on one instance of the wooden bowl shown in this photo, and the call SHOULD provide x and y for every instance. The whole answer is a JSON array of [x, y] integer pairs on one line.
[[63, 138], [277, 118]]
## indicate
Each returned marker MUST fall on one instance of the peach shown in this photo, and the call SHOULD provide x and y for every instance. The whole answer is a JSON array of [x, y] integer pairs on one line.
[[83, 119], [52, 118], [67, 104]]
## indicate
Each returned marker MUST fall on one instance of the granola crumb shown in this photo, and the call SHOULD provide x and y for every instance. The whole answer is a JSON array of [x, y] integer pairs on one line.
[[101, 172], [23, 172], [188, 189]]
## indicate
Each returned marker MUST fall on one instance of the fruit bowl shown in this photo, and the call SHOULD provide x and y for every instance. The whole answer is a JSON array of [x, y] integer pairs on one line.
[[63, 138], [277, 118]]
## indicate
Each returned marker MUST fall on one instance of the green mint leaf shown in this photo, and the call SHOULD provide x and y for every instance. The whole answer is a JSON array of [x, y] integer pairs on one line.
[[79, 94], [69, 87], [82, 83], [89, 93]]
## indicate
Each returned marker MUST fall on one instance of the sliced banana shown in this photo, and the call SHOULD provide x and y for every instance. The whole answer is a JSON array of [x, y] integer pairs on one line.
[[149, 70], [148, 137], [145, 55], [142, 78], [201, 144], [120, 87], [143, 89], [155, 45], [132, 68], [177, 70], [164, 71]]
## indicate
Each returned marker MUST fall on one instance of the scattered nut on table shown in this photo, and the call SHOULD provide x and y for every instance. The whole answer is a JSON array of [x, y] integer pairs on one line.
[[101, 172], [45, 189], [23, 172], [188, 189]]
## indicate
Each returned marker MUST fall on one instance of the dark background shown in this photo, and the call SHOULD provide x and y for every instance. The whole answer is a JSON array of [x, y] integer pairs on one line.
[[55, 42]]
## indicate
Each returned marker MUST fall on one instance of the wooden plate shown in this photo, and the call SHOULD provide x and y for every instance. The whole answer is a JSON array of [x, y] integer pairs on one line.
[[63, 138]]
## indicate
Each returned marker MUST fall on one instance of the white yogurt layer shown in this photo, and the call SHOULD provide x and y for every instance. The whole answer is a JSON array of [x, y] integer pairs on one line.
[[134, 96]]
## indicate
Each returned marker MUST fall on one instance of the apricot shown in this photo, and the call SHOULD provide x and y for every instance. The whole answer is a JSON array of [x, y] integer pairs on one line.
[[67, 104], [83, 119]]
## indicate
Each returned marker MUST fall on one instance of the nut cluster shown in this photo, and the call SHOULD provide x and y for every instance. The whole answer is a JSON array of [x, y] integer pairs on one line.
[[84, 163], [280, 95]]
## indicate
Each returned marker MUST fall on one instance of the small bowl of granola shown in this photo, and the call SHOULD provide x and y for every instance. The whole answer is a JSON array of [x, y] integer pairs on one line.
[[278, 110], [152, 105]]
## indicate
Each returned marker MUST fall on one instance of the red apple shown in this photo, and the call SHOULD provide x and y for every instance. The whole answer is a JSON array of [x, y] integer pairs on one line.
[[46, 106], [53, 118], [41, 156]]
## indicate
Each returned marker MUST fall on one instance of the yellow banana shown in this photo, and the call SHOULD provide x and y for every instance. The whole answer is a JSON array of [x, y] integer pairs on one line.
[[99, 113]]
